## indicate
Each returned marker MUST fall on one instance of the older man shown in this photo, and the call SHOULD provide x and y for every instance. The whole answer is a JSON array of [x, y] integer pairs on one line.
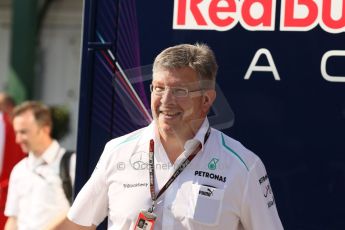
[[190, 176]]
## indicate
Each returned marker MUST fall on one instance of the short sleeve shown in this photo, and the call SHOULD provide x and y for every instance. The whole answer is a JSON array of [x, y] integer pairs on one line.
[[91, 204], [258, 209], [12, 201]]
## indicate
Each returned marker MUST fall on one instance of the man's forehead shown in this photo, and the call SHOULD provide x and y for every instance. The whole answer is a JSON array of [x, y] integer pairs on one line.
[[174, 71], [176, 83], [181, 82], [181, 75], [27, 115]]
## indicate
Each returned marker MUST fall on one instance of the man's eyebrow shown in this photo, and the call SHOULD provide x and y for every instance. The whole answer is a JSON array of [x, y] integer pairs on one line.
[[21, 130]]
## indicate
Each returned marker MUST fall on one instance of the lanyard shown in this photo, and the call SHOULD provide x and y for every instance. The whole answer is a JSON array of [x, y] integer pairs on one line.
[[178, 171]]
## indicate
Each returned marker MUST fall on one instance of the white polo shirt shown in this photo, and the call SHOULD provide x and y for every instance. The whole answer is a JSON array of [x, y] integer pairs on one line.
[[224, 187], [35, 194]]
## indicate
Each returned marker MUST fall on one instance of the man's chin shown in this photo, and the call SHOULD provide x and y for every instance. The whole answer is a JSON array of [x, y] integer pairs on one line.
[[25, 149], [168, 129]]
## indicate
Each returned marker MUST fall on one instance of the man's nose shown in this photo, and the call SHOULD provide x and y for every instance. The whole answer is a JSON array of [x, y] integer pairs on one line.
[[18, 138], [167, 96]]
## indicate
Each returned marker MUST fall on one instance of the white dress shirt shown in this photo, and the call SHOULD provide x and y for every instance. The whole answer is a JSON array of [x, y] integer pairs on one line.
[[35, 195]]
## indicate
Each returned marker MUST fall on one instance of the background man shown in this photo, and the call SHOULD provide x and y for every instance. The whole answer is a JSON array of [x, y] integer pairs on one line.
[[7, 103], [213, 181], [35, 194], [10, 152]]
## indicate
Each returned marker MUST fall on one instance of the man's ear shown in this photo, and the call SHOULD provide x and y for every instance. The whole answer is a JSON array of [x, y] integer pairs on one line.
[[47, 129], [208, 99]]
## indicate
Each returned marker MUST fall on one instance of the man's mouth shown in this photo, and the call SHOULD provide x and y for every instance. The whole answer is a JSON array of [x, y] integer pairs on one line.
[[169, 114], [24, 147]]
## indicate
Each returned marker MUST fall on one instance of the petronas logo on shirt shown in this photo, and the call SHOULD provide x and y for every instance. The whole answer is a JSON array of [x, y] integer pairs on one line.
[[212, 165]]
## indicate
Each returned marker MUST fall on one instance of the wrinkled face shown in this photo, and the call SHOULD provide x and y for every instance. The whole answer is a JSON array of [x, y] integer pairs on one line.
[[179, 115], [29, 133]]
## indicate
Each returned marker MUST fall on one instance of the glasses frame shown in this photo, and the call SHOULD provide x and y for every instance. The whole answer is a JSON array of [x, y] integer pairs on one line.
[[188, 91]]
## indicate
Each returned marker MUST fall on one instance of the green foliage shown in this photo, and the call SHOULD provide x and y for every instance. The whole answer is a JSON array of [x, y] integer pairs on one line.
[[61, 121]]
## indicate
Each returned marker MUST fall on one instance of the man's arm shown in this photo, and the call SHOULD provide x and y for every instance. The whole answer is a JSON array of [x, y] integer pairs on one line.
[[258, 205], [66, 224], [11, 223]]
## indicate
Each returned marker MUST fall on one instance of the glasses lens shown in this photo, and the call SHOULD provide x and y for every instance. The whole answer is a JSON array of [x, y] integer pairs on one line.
[[158, 90], [176, 91], [180, 92]]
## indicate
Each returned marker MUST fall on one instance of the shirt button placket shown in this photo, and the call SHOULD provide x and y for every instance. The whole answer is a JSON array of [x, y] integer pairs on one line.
[[168, 219]]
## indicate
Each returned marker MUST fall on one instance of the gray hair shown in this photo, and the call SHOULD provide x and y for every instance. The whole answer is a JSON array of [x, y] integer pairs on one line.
[[199, 57]]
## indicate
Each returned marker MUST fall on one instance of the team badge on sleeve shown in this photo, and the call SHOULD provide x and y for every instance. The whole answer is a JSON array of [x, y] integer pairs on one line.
[[267, 190]]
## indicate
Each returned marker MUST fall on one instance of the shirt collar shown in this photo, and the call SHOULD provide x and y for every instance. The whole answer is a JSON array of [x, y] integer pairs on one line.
[[198, 138], [48, 156]]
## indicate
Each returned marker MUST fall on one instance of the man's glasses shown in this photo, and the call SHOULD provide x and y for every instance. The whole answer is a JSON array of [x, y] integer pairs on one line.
[[176, 91]]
